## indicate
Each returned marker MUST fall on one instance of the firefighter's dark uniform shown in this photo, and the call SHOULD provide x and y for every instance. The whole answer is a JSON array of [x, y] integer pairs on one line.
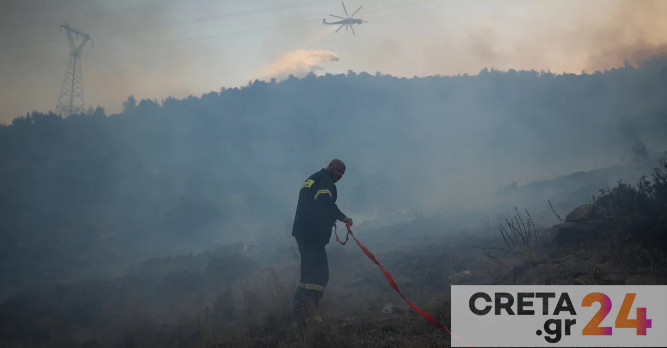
[[316, 213]]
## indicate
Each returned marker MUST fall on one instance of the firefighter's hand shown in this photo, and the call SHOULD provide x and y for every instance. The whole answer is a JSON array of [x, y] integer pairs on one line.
[[348, 220]]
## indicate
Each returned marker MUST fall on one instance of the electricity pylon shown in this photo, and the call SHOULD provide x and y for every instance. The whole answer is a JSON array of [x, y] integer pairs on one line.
[[71, 91]]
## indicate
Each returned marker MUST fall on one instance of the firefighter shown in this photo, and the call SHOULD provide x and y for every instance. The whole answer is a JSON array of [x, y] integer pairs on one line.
[[316, 214]]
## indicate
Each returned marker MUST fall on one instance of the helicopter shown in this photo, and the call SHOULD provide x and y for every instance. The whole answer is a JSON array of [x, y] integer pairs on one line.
[[346, 21]]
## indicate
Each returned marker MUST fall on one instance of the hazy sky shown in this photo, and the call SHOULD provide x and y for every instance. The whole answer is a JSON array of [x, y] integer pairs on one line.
[[158, 48]]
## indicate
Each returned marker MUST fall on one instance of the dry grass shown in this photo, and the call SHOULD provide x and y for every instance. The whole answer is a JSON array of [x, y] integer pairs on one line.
[[257, 312], [359, 309], [519, 233]]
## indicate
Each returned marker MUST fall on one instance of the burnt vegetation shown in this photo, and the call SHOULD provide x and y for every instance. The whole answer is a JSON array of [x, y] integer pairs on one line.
[[131, 230]]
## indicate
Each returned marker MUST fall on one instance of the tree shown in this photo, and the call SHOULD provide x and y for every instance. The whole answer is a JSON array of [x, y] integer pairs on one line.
[[130, 104]]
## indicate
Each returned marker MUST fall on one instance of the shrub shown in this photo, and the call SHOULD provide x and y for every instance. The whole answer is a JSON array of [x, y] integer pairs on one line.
[[519, 235], [637, 213]]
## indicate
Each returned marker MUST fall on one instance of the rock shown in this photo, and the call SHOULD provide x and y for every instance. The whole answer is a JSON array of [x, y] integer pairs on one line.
[[585, 279], [612, 279], [646, 279], [582, 213], [388, 329], [482, 280], [546, 237], [573, 232], [91, 343], [358, 280], [391, 308], [458, 277]]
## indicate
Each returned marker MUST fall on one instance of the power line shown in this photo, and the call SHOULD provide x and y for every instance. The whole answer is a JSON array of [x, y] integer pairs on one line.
[[311, 21], [239, 32], [398, 5], [24, 44], [187, 21], [243, 13]]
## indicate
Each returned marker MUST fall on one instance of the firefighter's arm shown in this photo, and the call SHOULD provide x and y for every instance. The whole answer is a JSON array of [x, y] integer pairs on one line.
[[324, 198]]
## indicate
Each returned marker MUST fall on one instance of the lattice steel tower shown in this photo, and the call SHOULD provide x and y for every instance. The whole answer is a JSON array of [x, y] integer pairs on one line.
[[71, 92]]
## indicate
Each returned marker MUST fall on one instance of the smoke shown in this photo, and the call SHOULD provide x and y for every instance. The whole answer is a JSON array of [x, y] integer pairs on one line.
[[634, 55], [560, 36], [297, 63], [640, 37]]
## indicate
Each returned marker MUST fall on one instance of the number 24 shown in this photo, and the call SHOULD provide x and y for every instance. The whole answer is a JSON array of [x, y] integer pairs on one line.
[[622, 320]]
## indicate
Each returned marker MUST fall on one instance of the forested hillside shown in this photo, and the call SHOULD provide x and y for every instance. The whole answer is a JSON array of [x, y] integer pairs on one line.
[[89, 194]]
